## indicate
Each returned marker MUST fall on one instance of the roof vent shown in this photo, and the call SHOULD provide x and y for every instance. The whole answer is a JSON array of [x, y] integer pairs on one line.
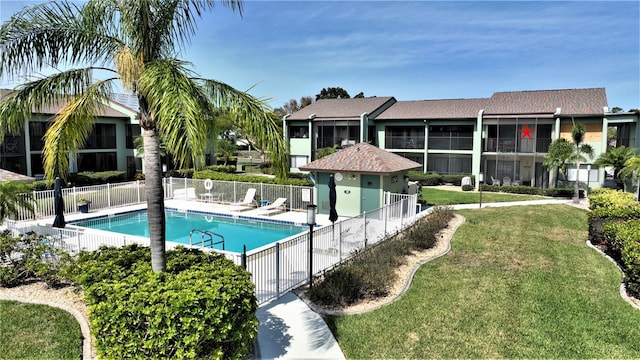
[[312, 116]]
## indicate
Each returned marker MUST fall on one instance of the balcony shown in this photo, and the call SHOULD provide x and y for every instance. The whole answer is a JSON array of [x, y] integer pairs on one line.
[[404, 142], [451, 143]]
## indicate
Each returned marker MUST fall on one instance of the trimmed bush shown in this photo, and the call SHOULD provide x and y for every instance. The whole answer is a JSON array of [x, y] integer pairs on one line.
[[203, 306], [431, 179], [371, 272], [214, 175], [467, 187], [30, 257], [623, 241]]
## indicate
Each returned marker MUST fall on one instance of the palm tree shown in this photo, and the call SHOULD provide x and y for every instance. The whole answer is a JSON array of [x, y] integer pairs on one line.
[[135, 41], [577, 134], [616, 158], [632, 168], [14, 195], [559, 155]]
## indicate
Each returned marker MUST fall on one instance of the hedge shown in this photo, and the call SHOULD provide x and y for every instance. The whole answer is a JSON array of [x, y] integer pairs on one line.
[[203, 306], [623, 241]]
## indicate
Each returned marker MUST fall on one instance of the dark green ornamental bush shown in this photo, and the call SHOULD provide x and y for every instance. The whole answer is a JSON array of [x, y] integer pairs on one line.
[[203, 306]]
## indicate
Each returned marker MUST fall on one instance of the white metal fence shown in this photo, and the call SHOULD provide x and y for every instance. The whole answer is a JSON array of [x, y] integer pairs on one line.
[[130, 193], [275, 270]]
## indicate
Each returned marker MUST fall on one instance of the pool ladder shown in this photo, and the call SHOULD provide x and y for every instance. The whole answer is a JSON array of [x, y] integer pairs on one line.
[[206, 238]]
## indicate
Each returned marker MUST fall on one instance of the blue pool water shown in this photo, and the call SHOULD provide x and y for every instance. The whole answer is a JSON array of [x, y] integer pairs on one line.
[[236, 232]]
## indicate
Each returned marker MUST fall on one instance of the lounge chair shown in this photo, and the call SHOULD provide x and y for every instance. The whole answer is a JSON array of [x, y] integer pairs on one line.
[[273, 208], [495, 181], [248, 203]]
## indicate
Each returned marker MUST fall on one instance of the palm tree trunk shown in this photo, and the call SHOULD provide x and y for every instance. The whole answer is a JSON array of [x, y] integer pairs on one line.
[[576, 189], [155, 200]]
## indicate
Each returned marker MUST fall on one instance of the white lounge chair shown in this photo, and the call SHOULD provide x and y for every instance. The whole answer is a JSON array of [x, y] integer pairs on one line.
[[246, 204], [273, 208]]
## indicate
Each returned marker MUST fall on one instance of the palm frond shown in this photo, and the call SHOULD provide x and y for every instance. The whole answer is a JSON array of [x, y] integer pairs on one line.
[[71, 127], [255, 118], [180, 107], [54, 33]]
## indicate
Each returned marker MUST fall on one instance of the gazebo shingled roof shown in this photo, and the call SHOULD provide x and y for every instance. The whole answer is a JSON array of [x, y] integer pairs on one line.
[[362, 158]]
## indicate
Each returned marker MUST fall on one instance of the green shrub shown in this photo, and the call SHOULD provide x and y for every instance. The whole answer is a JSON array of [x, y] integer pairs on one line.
[[563, 192], [30, 257], [431, 179], [87, 178], [214, 175], [467, 187], [203, 306], [371, 272], [222, 168], [455, 179], [623, 239]]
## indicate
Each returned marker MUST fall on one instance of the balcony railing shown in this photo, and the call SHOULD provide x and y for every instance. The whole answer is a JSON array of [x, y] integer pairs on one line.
[[512, 146], [451, 143], [404, 142]]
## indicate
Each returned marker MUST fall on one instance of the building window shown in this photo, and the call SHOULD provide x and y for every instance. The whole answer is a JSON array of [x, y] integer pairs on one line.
[[103, 136], [132, 132], [97, 162], [404, 137], [451, 137], [449, 163], [298, 160], [37, 129], [298, 132]]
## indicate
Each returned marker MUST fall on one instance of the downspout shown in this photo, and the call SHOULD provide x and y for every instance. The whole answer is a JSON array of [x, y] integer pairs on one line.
[[553, 176], [364, 126], [605, 142], [476, 157]]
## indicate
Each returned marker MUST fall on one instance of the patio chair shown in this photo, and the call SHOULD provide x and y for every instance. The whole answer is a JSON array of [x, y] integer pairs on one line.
[[495, 181], [248, 203], [506, 181], [273, 208]]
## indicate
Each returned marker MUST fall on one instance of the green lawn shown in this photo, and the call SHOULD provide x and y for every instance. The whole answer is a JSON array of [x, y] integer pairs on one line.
[[519, 282], [29, 331], [434, 196]]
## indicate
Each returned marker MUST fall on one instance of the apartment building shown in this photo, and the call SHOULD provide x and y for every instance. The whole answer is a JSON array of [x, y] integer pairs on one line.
[[504, 137]]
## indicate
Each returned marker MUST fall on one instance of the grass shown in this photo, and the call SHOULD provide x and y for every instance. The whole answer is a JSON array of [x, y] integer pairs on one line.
[[435, 197], [29, 331], [519, 282]]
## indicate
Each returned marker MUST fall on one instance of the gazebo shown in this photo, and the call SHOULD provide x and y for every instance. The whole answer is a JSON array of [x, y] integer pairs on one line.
[[362, 174]]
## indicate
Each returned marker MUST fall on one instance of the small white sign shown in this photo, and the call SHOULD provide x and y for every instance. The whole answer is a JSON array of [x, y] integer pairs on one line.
[[306, 195]]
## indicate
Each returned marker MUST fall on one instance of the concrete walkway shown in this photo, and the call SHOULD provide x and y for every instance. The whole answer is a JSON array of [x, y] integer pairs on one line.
[[289, 329]]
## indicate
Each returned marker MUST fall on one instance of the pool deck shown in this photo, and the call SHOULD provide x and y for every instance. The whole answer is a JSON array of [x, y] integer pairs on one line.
[[288, 327], [296, 217]]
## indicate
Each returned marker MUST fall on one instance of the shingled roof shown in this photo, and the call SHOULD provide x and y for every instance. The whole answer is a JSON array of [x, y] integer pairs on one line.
[[6, 175], [434, 109], [570, 101], [362, 158], [53, 109], [336, 109]]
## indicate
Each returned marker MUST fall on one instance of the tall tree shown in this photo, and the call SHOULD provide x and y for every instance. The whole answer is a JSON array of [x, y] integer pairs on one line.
[[135, 41], [332, 93], [559, 155], [632, 169], [577, 134], [293, 105], [616, 158]]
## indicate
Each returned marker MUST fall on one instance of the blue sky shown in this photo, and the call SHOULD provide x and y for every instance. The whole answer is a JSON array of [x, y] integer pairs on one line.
[[416, 50]]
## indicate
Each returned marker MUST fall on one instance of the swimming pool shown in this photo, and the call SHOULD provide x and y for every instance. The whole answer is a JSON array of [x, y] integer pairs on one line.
[[236, 232]]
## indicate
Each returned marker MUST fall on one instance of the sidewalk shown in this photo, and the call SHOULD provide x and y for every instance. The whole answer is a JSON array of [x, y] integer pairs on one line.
[[289, 329]]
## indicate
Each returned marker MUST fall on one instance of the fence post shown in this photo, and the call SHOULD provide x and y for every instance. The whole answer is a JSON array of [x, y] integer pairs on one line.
[[108, 195], [277, 270], [78, 237], [243, 259], [364, 217], [340, 239], [138, 188]]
